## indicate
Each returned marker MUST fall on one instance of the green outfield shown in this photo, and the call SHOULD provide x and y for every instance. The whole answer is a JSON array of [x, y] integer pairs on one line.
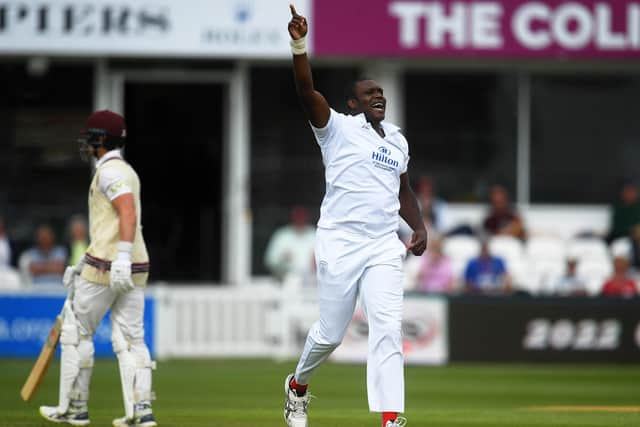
[[248, 393]]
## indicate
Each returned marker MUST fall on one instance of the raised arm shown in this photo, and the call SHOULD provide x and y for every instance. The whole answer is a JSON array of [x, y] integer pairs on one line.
[[315, 105]]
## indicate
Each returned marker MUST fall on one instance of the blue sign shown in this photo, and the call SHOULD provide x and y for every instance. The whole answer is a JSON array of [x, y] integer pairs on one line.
[[25, 322]]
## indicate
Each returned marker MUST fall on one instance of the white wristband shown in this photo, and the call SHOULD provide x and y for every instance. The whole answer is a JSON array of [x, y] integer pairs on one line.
[[124, 250], [299, 47]]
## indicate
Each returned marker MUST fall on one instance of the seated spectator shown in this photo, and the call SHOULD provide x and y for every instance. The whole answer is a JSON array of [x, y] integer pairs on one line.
[[435, 274], [435, 213], [78, 239], [569, 284], [434, 209], [44, 263], [625, 212], [9, 277], [621, 284], [487, 274], [291, 248], [635, 247], [5, 247], [502, 219]]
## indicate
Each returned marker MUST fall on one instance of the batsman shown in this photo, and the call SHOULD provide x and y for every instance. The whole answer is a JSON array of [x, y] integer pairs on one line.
[[112, 275]]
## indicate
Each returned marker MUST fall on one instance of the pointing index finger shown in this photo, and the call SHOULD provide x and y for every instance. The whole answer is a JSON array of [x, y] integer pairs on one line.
[[293, 9]]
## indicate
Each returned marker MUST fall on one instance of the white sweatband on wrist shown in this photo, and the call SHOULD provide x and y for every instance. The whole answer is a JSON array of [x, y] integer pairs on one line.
[[124, 250], [299, 47]]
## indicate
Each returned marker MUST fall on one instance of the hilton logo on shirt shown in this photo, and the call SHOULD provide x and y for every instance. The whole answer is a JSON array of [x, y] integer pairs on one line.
[[381, 160]]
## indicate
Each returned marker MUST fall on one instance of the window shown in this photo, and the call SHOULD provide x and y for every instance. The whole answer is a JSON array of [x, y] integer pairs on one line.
[[286, 165], [585, 137], [461, 130], [42, 178]]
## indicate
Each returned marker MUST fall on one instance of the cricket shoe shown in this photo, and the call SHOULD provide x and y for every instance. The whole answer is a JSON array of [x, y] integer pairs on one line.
[[76, 416], [398, 422], [142, 417], [295, 407]]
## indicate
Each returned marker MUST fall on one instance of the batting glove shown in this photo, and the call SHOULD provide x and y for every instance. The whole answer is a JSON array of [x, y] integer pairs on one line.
[[120, 277], [70, 274]]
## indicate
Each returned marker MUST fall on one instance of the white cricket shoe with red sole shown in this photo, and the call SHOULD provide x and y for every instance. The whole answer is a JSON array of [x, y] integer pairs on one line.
[[399, 422], [295, 408]]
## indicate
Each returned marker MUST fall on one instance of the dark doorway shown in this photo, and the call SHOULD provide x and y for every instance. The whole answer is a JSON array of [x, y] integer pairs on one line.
[[175, 142]]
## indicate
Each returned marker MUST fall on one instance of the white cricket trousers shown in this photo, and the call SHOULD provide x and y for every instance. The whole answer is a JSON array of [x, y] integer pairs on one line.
[[348, 266], [90, 303]]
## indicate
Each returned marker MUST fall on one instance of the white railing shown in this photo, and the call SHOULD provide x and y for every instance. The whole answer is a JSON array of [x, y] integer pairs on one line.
[[251, 321], [268, 320]]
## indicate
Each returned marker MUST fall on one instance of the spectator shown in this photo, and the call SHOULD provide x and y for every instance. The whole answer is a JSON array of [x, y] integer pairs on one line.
[[434, 209], [502, 218], [435, 213], [9, 277], [625, 213], [569, 284], [5, 247], [487, 274], [435, 274], [635, 247], [78, 240], [45, 262], [620, 284], [291, 248]]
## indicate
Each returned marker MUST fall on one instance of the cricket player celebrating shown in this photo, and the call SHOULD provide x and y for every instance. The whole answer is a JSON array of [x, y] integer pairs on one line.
[[112, 276], [357, 248]]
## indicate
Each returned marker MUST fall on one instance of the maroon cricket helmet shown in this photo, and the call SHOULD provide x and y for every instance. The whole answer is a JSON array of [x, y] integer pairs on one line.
[[107, 123]]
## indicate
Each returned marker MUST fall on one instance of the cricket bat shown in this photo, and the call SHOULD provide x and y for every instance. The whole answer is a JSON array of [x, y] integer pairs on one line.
[[39, 369]]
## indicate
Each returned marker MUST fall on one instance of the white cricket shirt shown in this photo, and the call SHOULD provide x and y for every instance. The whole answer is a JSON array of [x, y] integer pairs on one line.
[[362, 173]]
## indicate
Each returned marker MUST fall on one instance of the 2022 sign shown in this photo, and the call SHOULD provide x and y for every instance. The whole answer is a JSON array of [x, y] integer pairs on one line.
[[565, 334]]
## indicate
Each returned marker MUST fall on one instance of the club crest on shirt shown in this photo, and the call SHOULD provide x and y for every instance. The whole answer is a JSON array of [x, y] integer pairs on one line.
[[382, 159], [322, 267]]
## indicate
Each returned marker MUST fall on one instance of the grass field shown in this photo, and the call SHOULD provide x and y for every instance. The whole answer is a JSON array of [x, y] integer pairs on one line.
[[248, 393]]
